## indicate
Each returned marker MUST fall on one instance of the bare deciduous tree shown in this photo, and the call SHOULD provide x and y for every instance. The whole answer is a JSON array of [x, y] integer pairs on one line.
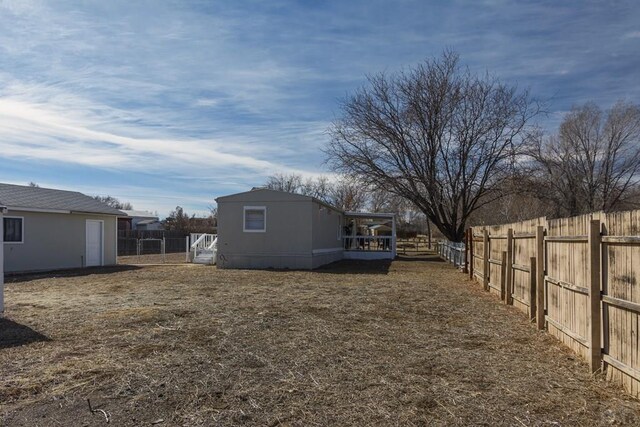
[[437, 135], [344, 193], [113, 202], [348, 194], [592, 164], [291, 183]]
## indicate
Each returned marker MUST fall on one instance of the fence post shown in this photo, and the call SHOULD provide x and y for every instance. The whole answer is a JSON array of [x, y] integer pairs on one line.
[[509, 285], [533, 285], [186, 249], [503, 276], [485, 259], [540, 284], [465, 265], [594, 321], [471, 258]]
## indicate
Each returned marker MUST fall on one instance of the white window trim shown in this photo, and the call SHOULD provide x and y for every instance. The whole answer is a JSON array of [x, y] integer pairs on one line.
[[22, 233], [244, 218]]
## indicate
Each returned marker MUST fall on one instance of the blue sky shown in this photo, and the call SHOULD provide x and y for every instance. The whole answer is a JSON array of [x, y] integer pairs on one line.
[[165, 103]]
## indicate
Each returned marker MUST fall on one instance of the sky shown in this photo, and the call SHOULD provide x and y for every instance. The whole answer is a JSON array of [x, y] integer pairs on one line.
[[167, 103]]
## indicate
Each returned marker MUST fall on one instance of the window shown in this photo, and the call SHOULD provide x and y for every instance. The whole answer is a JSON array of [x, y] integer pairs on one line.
[[255, 219], [339, 228], [13, 229]]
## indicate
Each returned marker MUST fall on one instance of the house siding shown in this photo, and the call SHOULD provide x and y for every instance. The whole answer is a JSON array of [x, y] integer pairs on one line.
[[56, 241], [286, 243], [326, 246]]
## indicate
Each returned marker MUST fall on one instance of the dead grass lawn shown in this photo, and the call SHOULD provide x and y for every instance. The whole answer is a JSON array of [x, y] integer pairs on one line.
[[410, 343]]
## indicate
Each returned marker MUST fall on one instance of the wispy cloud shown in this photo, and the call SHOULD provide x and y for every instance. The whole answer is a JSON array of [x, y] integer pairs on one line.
[[197, 99]]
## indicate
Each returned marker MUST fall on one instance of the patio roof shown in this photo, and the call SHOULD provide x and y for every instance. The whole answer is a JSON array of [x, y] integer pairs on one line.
[[369, 215]]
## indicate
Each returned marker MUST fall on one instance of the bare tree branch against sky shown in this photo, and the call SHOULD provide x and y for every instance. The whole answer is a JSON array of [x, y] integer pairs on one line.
[[175, 103]]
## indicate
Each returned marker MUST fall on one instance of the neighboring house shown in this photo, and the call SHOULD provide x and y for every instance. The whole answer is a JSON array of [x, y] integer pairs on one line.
[[273, 229], [139, 220], [46, 229]]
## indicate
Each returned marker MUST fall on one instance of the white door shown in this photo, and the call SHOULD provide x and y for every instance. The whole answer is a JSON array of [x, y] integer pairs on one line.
[[94, 242]]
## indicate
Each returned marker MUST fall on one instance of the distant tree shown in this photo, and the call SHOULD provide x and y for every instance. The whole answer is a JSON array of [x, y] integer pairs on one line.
[[213, 215], [33, 184], [437, 135], [179, 220], [114, 203], [348, 194], [291, 183], [320, 187], [592, 163]]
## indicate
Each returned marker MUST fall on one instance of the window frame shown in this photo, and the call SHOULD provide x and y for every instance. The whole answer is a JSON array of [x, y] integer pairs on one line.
[[8, 242], [244, 218]]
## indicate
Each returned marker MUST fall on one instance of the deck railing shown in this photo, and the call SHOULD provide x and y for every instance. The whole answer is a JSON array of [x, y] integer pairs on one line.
[[202, 242], [368, 243]]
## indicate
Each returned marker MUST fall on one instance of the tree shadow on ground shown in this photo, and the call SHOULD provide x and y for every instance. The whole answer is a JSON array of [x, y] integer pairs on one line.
[[352, 266], [14, 334], [423, 257], [76, 272]]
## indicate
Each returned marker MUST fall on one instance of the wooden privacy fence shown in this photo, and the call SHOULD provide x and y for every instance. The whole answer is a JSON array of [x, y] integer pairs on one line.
[[575, 277]]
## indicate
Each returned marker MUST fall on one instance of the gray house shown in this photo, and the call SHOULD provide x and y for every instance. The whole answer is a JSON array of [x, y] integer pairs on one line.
[[46, 229], [139, 220], [273, 229]]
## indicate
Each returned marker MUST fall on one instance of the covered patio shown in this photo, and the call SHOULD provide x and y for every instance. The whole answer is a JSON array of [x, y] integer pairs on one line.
[[369, 235]]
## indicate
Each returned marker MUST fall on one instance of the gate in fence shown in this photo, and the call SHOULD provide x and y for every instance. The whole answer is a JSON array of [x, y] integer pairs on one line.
[[153, 241]]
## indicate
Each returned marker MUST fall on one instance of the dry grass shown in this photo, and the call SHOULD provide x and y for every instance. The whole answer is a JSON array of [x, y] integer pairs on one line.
[[173, 258], [411, 343]]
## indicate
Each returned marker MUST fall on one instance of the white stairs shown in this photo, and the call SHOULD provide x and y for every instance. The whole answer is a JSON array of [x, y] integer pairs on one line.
[[204, 248], [205, 257]]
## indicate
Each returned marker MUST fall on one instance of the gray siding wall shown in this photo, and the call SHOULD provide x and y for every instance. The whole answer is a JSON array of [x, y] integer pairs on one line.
[[327, 247], [325, 227], [285, 244], [56, 241]]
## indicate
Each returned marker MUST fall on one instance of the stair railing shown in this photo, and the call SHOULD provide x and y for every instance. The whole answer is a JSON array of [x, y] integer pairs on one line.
[[202, 242]]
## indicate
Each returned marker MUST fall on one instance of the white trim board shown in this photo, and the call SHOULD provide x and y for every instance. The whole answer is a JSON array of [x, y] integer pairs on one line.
[[326, 251]]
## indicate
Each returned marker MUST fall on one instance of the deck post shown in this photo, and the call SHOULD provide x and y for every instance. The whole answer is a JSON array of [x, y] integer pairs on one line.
[[393, 237], [594, 321]]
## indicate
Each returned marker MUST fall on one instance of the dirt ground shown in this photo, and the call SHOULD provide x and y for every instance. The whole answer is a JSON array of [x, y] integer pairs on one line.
[[357, 343]]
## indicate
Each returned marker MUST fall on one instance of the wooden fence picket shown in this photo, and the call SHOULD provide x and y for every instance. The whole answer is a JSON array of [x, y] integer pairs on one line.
[[576, 277]]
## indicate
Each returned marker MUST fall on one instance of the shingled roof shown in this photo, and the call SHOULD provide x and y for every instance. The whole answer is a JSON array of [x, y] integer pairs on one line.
[[18, 196]]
